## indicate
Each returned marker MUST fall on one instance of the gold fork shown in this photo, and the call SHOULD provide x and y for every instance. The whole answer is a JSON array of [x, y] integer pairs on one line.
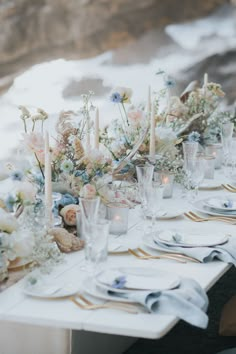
[[179, 255], [85, 304], [163, 256], [229, 188], [194, 217]]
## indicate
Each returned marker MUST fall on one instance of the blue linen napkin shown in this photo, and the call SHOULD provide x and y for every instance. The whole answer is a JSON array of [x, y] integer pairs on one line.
[[225, 252], [188, 301]]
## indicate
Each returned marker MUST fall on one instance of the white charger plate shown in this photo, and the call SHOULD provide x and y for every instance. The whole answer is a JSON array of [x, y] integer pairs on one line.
[[190, 240], [137, 279], [200, 206]]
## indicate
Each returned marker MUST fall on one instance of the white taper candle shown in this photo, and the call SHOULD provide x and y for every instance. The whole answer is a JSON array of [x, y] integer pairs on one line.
[[88, 146], [149, 101], [152, 149], [48, 181], [96, 130]]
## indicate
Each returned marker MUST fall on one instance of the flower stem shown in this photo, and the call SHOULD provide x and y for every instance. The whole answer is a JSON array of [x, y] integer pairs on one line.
[[39, 164], [127, 121]]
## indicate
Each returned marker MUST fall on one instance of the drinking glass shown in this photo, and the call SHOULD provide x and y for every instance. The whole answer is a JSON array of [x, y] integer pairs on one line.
[[190, 149], [226, 139], [195, 170], [154, 194], [96, 244], [144, 176], [89, 213]]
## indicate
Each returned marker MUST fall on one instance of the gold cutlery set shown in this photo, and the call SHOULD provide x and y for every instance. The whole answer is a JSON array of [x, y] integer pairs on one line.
[[83, 303], [197, 218], [229, 188]]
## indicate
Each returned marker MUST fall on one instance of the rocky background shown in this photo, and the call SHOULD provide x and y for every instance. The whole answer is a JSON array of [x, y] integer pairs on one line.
[[52, 51], [33, 31]]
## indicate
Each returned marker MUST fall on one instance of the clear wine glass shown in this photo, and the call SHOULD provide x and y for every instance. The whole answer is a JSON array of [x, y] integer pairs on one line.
[[144, 176], [195, 170]]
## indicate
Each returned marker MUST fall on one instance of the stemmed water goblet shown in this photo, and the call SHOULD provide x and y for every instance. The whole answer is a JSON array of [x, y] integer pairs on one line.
[[195, 171], [144, 176]]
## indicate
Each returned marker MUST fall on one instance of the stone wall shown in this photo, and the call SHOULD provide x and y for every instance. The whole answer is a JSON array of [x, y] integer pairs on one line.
[[36, 30]]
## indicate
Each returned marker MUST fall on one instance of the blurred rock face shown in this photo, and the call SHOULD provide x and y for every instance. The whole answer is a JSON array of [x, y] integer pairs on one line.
[[38, 30]]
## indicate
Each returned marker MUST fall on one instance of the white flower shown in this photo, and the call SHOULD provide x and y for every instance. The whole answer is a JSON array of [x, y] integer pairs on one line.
[[25, 191], [165, 133], [23, 243], [8, 222]]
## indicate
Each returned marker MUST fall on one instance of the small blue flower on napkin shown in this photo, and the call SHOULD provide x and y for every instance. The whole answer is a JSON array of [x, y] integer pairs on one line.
[[228, 203], [119, 282]]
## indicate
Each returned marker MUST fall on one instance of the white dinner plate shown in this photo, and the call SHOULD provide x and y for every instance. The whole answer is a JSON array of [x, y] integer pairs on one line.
[[199, 205], [53, 290], [210, 184], [136, 279], [220, 203], [189, 239], [92, 289]]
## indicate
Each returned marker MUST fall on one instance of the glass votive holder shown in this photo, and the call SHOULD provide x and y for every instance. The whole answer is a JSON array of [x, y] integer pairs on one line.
[[209, 167], [167, 180], [216, 151], [118, 214]]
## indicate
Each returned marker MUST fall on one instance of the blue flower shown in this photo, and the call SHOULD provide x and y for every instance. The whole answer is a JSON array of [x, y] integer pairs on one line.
[[116, 97], [99, 173], [228, 204], [10, 201], [194, 137], [66, 199], [16, 175], [169, 82], [119, 283]]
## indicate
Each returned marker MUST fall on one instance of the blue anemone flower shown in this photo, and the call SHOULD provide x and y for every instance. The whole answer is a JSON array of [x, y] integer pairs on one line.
[[16, 175], [116, 97], [119, 282], [194, 137]]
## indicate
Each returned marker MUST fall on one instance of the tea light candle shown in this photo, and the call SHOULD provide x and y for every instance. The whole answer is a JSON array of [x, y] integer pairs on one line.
[[118, 215], [167, 181], [216, 151]]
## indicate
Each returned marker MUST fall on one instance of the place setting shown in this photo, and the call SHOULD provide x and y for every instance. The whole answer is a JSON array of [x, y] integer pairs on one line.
[[147, 290], [199, 247], [222, 208]]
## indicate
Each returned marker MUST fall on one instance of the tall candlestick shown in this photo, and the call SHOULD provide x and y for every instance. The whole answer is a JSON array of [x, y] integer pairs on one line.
[[205, 82], [152, 148], [88, 146], [149, 102], [96, 130], [48, 181]]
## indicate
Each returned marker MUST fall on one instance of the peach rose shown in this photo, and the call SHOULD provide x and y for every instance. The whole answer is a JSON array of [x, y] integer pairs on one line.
[[69, 214]]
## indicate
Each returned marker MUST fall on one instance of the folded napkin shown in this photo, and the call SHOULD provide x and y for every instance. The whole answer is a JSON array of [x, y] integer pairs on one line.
[[188, 301], [225, 252]]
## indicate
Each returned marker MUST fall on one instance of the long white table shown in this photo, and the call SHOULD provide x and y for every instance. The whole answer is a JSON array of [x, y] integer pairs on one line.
[[56, 318]]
